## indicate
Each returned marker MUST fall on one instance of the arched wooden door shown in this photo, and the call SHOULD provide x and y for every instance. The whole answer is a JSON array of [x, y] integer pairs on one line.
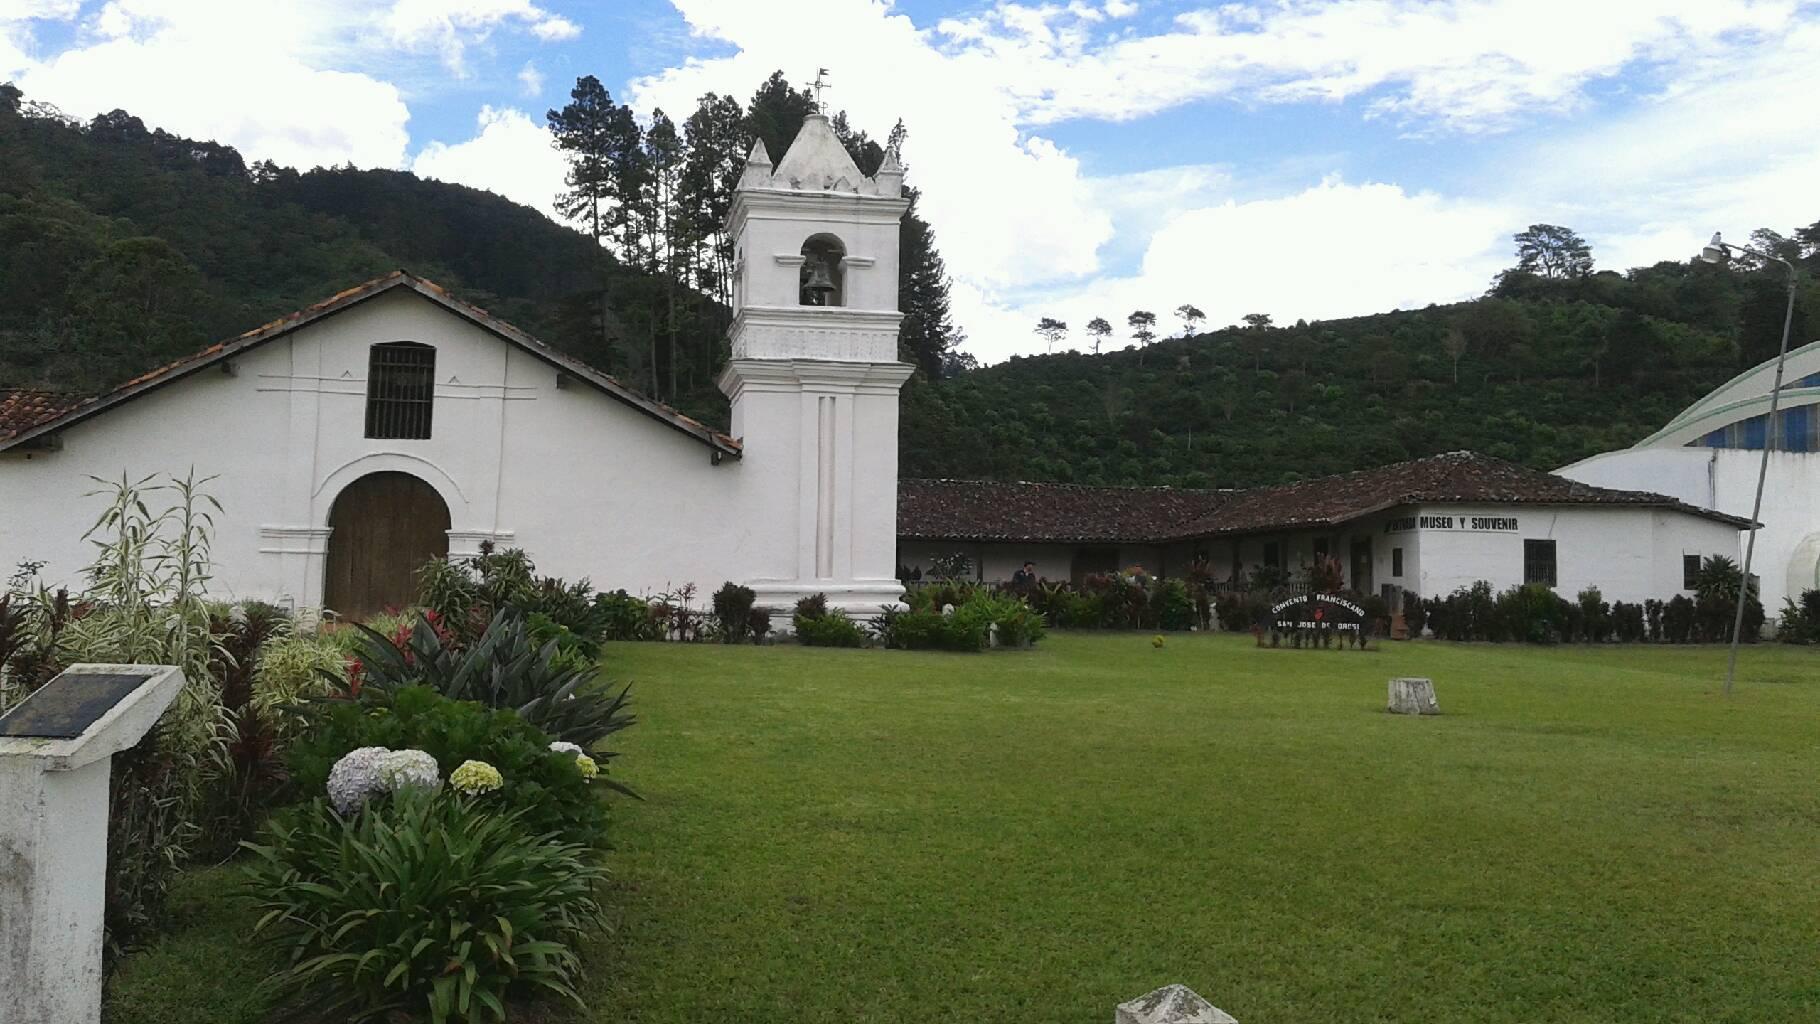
[[382, 528]]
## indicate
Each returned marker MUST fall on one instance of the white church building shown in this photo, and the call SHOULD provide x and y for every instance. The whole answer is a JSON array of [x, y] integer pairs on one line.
[[352, 441], [1709, 457]]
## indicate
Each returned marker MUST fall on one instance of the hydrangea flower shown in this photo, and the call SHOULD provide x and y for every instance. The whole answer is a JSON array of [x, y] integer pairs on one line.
[[401, 768], [474, 777], [356, 777], [588, 768], [564, 747]]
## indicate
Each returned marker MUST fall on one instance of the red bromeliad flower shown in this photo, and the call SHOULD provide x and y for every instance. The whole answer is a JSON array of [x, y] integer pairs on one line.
[[355, 672]]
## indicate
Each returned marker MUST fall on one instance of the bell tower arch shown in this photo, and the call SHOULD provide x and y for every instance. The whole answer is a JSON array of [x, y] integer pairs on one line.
[[814, 375]]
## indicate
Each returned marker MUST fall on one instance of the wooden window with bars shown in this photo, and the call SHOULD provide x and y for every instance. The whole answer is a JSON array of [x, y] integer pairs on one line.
[[1539, 562], [401, 390]]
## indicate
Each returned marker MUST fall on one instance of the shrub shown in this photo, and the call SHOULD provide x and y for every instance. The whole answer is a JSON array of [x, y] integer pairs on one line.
[[1678, 620], [1652, 615], [624, 617], [1018, 625], [1415, 613], [431, 904], [1171, 605], [1628, 623], [468, 593], [833, 629], [931, 630], [504, 668], [546, 787], [1531, 613], [1595, 616], [1716, 589], [1800, 623], [733, 610]]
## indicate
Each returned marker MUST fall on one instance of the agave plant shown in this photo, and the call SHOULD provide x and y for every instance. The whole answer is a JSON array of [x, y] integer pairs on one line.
[[505, 668]]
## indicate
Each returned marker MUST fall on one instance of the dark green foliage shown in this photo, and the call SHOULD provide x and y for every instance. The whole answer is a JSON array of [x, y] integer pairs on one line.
[[1171, 607], [624, 617], [1678, 619], [546, 787], [1628, 623], [1716, 602], [1594, 616], [931, 630], [1549, 370], [733, 611], [1800, 623], [422, 904], [1415, 613], [817, 626], [505, 668]]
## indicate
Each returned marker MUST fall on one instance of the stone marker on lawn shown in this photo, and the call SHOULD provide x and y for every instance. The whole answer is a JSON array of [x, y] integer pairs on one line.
[[55, 750], [1413, 697], [1171, 1004]]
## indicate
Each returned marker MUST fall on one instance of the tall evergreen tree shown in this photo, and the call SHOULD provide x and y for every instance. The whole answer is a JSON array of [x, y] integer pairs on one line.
[[583, 131]]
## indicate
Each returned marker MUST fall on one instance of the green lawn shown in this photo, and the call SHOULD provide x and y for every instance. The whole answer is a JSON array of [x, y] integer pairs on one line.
[[1587, 834]]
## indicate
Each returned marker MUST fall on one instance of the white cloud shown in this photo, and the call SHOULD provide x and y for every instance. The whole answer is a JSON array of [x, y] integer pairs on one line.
[[530, 79], [555, 29], [510, 154], [1328, 251], [214, 69], [1462, 65], [449, 26]]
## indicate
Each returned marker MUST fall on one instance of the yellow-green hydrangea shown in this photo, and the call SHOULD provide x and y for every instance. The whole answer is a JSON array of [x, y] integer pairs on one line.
[[475, 777], [588, 768]]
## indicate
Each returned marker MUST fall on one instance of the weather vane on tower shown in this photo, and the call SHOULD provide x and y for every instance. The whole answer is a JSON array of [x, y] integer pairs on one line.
[[821, 75]]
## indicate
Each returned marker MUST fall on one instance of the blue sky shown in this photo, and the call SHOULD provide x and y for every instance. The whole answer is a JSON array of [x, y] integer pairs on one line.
[[1077, 158]]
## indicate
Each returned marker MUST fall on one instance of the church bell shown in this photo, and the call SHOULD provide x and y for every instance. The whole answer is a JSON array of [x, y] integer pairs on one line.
[[820, 285]]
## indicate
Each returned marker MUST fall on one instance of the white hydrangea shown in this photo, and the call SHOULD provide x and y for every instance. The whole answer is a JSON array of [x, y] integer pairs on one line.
[[401, 768], [564, 747], [356, 777]]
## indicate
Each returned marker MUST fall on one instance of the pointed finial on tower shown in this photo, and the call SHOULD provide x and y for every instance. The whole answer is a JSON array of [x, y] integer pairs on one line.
[[889, 180], [821, 82], [758, 167]]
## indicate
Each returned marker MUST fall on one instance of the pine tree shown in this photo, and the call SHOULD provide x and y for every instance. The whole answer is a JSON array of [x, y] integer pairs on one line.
[[583, 132]]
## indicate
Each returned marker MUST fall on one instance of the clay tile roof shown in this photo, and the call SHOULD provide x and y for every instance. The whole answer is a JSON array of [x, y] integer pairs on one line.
[[22, 409], [981, 510], [74, 409], [1451, 477], [987, 510]]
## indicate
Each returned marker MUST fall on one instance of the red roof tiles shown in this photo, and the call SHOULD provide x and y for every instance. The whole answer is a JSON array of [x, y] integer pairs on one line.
[[984, 510]]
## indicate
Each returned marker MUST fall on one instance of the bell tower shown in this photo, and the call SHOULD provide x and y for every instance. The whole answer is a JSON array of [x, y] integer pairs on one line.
[[814, 375]]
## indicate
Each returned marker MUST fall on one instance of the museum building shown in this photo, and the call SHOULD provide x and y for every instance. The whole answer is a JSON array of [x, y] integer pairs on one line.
[[1428, 525]]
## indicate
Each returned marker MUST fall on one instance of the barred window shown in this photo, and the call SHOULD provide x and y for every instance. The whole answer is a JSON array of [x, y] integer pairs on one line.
[[1396, 562], [401, 386], [1690, 571], [1539, 562]]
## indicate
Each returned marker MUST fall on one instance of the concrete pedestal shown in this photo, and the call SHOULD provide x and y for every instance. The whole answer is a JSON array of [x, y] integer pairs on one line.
[[56, 750]]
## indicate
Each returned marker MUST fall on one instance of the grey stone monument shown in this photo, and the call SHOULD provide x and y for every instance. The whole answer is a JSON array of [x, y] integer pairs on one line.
[[55, 749], [1413, 696], [1171, 1004]]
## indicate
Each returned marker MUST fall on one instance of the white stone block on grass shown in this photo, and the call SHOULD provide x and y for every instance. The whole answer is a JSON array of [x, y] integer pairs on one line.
[[1171, 1004], [1413, 696]]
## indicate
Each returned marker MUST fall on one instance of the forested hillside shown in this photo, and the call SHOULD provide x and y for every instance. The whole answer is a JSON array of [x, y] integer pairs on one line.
[[125, 247], [1559, 362]]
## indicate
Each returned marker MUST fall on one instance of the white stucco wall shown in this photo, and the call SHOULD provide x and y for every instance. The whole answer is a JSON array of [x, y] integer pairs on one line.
[[1629, 554], [1787, 559], [586, 484]]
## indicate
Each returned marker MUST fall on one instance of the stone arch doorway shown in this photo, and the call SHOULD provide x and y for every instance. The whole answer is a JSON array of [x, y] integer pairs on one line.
[[382, 528]]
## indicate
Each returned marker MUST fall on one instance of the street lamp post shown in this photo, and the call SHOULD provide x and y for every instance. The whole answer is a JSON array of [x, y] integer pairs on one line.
[[1719, 251]]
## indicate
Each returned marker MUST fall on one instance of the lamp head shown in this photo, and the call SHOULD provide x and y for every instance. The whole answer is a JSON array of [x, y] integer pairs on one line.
[[1715, 251]]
